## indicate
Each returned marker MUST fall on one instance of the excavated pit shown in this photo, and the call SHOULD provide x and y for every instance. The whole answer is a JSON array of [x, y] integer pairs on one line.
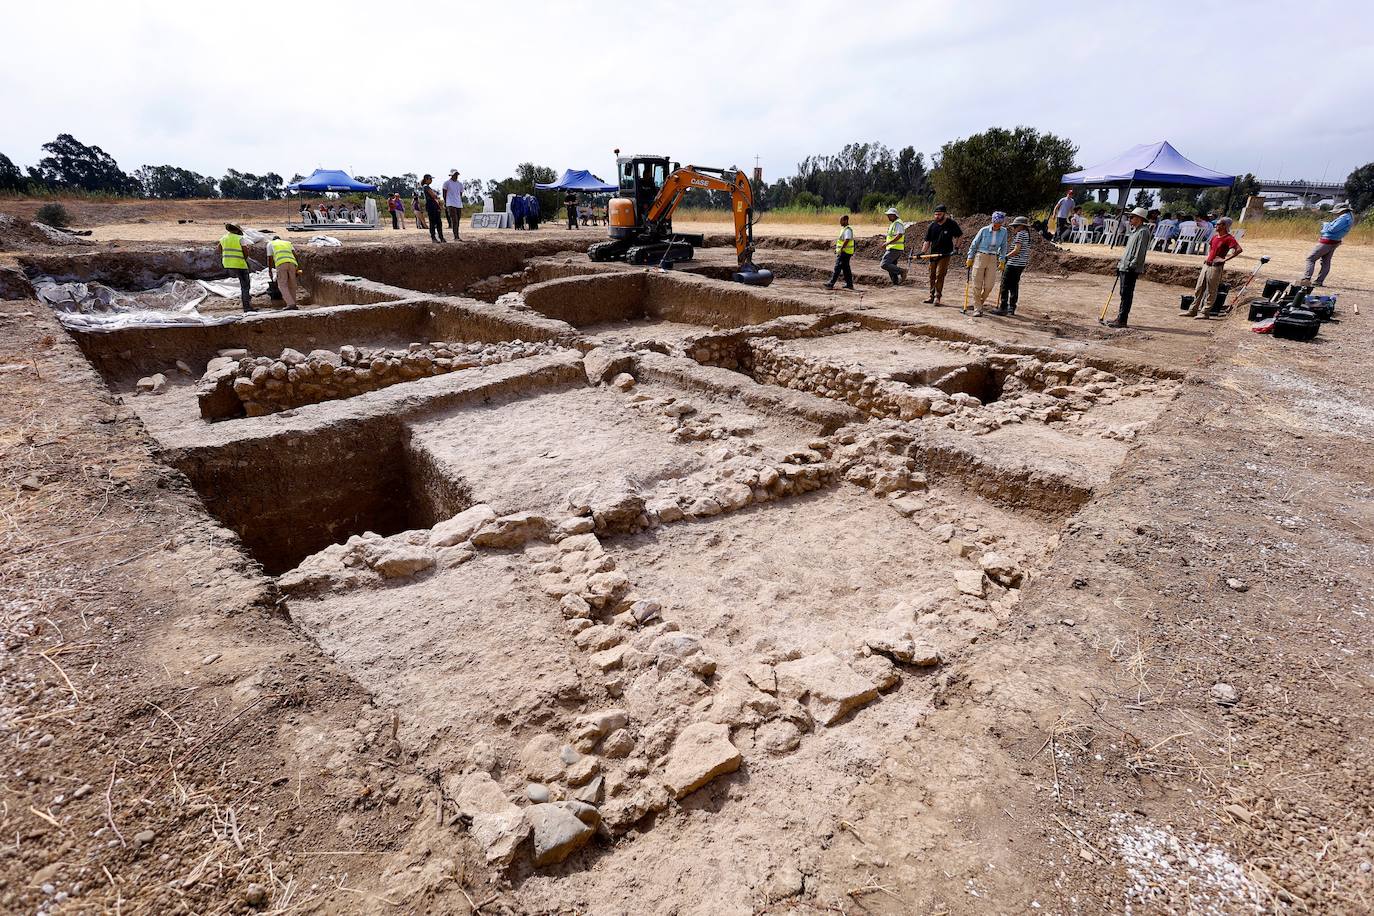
[[702, 509]]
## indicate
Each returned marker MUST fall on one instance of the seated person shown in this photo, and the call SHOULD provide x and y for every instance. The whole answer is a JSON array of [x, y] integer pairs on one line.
[[321, 214], [344, 214], [1165, 232], [1098, 225], [1076, 221]]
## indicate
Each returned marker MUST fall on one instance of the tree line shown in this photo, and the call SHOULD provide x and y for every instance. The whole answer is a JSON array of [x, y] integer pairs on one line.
[[1014, 169]]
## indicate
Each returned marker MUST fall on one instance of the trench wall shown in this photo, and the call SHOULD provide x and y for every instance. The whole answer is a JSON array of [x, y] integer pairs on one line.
[[694, 300], [586, 300], [443, 269]]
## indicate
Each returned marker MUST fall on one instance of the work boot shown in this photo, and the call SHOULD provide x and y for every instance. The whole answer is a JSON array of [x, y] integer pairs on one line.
[[1116, 323], [829, 286], [977, 312], [1200, 316], [849, 286], [929, 300]]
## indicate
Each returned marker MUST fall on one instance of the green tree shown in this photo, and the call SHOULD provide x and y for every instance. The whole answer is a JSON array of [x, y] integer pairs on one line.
[[169, 182], [11, 179], [522, 182], [247, 186], [1210, 200], [74, 165], [1359, 186], [1014, 170]]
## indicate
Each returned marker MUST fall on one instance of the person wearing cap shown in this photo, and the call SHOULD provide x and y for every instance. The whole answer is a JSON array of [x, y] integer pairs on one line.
[[453, 203], [893, 246], [844, 250], [434, 209], [281, 256], [1221, 248], [1132, 262], [1063, 215], [234, 259], [987, 254], [938, 249], [1332, 233], [1017, 261]]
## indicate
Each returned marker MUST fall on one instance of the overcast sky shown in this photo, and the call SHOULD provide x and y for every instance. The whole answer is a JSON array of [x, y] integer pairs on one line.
[[388, 88]]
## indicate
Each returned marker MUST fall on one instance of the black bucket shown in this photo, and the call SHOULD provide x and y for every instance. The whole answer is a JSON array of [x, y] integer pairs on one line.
[[1185, 303]]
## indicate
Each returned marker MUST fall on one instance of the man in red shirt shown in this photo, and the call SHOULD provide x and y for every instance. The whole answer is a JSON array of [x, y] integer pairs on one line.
[[1222, 248]]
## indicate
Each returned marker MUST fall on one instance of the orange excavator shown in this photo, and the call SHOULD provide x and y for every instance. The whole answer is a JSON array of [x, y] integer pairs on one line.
[[641, 218]]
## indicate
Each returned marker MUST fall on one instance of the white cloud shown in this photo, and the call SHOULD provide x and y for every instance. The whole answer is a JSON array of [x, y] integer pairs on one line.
[[413, 86]]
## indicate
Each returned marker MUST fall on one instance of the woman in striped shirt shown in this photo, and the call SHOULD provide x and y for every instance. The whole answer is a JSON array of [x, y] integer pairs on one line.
[[1017, 259]]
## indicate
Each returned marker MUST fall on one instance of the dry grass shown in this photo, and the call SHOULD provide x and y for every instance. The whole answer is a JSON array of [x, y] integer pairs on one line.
[[1304, 226]]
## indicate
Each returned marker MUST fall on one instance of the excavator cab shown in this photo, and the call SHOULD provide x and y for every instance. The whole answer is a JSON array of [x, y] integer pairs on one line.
[[641, 179]]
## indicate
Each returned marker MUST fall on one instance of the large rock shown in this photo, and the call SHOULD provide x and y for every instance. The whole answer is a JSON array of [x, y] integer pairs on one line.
[[498, 825], [828, 687], [603, 364], [396, 561], [1002, 570], [153, 384], [461, 527], [511, 531], [701, 753], [542, 759], [560, 829]]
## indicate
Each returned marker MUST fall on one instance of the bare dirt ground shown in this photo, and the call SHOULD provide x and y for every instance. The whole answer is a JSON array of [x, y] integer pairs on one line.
[[1170, 714]]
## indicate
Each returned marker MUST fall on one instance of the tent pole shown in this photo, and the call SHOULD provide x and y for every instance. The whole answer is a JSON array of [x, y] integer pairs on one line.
[[1226, 210], [1121, 214]]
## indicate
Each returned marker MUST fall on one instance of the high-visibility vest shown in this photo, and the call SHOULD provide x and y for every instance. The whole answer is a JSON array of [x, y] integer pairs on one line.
[[845, 243], [896, 236], [231, 247], [282, 252]]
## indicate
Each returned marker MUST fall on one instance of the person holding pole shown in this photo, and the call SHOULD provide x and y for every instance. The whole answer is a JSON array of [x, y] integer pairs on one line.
[[893, 246], [938, 250], [1132, 263], [844, 250], [987, 254]]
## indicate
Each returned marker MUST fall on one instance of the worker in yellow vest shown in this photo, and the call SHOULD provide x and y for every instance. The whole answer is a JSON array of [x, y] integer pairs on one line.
[[235, 260], [282, 257], [844, 250], [894, 245]]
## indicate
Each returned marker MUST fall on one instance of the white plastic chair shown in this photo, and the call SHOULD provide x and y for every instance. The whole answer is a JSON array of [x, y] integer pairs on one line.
[[1109, 230], [1187, 235]]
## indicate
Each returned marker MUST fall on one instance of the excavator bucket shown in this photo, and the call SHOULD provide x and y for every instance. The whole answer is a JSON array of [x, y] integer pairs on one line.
[[750, 275]]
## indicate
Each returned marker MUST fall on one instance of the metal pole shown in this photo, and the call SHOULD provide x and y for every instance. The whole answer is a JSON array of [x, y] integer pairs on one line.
[[1226, 209], [1121, 216]]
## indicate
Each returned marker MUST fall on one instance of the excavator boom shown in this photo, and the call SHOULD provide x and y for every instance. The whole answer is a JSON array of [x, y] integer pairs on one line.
[[734, 182]]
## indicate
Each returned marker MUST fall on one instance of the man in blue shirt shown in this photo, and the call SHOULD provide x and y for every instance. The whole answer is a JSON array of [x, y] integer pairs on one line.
[[987, 254], [1332, 233]]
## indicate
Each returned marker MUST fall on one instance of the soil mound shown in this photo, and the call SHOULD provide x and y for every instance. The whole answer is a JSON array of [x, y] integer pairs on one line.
[[20, 235]]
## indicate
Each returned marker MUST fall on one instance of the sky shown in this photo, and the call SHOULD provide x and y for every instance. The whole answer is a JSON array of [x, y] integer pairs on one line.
[[424, 87]]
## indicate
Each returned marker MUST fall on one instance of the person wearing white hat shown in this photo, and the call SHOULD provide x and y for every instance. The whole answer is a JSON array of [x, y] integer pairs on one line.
[[1332, 233], [1131, 264], [893, 246]]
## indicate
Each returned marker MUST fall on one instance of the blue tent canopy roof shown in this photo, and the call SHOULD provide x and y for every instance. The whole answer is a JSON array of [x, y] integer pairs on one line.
[[330, 180], [1150, 165], [579, 180]]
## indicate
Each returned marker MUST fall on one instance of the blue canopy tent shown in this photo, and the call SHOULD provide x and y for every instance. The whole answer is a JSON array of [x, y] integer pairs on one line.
[[579, 180], [322, 180], [1149, 165]]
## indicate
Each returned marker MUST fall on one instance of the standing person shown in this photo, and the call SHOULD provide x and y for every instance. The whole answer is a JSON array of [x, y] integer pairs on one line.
[[281, 256], [844, 250], [397, 208], [418, 208], [453, 203], [1132, 262], [940, 236], [571, 203], [987, 254], [532, 213], [1063, 210], [1018, 259], [893, 246], [233, 259], [1332, 233], [1222, 248], [433, 209], [517, 210]]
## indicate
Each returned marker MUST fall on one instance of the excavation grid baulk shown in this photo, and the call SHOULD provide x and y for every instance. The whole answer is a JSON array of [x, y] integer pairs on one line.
[[629, 547]]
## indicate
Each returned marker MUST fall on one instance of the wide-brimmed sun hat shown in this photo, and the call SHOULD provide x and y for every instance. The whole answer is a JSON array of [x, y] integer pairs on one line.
[[1140, 212], [1020, 221]]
